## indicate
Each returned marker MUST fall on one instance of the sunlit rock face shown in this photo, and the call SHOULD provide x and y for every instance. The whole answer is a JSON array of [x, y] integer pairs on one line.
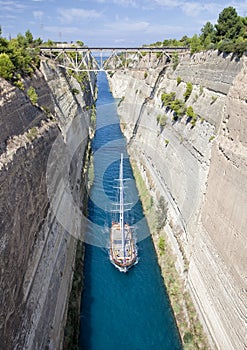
[[201, 172]]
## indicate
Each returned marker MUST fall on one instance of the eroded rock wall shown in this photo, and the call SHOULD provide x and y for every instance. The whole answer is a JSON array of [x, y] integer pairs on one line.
[[37, 251], [200, 172]]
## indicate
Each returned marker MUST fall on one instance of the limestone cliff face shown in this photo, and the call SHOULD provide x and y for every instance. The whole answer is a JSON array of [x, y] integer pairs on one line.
[[201, 173], [36, 251]]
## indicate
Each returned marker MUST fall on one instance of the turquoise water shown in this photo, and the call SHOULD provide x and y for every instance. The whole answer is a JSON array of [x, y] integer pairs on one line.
[[120, 311]]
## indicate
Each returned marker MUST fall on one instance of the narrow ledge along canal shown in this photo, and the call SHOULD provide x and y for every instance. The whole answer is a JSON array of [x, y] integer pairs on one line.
[[120, 310]]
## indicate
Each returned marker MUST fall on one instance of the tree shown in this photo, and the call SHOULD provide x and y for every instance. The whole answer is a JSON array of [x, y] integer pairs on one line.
[[185, 40], [50, 43], [38, 42], [195, 44], [79, 42], [207, 29], [244, 20], [29, 37], [3, 45], [229, 24], [207, 36], [6, 66]]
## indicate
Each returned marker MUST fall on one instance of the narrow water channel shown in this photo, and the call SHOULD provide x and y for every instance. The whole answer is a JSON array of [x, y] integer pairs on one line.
[[120, 311]]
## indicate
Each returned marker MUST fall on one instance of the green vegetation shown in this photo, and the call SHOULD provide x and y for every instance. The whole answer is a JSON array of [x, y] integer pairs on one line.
[[7, 68], [19, 84], [166, 142], [161, 245], [190, 112], [189, 88], [75, 91], [18, 56], [31, 93], [80, 43], [189, 325], [32, 133], [168, 98], [179, 79], [228, 35], [179, 108], [191, 115], [175, 60], [81, 77], [214, 98], [161, 119], [195, 98], [176, 105]]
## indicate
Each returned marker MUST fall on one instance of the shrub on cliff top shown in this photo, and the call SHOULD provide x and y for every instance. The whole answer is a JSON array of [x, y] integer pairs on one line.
[[22, 52], [6, 66], [228, 35]]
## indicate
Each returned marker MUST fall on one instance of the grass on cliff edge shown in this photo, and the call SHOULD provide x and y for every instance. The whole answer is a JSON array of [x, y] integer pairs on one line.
[[189, 326]]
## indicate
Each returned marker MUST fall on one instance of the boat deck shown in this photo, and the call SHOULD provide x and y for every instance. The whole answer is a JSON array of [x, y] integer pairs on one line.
[[120, 257]]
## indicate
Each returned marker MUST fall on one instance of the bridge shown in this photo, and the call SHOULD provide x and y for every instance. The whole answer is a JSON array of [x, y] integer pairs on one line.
[[95, 59]]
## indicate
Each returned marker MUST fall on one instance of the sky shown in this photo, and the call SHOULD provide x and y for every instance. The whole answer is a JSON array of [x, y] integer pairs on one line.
[[122, 23]]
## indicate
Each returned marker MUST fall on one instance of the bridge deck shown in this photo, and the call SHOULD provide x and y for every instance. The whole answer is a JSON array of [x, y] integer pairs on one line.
[[82, 48]]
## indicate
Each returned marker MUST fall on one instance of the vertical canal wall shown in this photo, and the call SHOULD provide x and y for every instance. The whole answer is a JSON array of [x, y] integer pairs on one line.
[[36, 252], [201, 172]]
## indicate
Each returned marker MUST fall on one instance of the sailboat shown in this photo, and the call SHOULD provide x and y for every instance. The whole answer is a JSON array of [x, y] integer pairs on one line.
[[123, 251]]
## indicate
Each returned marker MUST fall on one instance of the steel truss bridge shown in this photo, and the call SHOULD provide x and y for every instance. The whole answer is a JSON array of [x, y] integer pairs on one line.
[[94, 59]]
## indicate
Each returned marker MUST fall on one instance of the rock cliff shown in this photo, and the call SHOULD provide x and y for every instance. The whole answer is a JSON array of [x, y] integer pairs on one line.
[[201, 171], [36, 251]]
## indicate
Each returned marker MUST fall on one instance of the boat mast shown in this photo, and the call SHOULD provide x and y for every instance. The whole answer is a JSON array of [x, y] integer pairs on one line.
[[122, 204]]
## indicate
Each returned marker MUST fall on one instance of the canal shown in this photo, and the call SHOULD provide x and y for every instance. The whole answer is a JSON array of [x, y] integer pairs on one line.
[[120, 310]]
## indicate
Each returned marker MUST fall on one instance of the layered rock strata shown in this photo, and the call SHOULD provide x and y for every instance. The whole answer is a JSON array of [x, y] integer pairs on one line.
[[201, 172], [37, 248]]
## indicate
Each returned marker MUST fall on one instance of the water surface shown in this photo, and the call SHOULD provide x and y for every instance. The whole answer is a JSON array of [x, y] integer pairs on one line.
[[120, 311]]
